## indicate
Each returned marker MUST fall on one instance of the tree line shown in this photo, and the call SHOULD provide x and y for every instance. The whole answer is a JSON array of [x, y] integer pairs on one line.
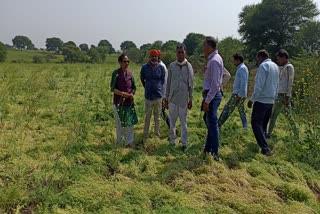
[[270, 25]]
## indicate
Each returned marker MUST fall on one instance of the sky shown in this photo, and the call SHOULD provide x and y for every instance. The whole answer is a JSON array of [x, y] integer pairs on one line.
[[140, 21]]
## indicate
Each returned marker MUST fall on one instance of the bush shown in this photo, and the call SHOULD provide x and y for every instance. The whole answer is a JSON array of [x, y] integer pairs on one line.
[[49, 57], [3, 52], [306, 110], [37, 59]]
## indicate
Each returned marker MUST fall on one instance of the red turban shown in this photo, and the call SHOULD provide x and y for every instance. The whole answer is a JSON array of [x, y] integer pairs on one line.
[[153, 52]]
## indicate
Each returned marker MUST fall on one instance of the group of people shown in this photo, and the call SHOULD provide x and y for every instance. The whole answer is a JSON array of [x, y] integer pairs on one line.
[[173, 88]]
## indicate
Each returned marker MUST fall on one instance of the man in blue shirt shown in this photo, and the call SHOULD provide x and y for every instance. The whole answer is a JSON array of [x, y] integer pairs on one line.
[[265, 89], [239, 93], [152, 77]]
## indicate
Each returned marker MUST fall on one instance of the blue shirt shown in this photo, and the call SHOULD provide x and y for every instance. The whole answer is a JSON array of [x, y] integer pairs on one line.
[[240, 83], [213, 75], [266, 82], [153, 81]]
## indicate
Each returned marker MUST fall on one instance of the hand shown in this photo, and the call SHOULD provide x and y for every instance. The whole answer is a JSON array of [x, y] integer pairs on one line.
[[190, 104], [286, 101], [165, 103], [239, 100], [125, 94], [250, 104], [205, 107], [131, 96]]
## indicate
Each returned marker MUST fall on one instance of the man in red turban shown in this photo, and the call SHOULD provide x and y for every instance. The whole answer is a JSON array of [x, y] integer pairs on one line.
[[153, 78]]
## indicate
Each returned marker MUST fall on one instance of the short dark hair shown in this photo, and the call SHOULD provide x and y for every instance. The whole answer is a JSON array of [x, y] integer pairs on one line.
[[238, 56], [283, 53], [121, 57], [181, 46], [212, 42], [263, 53]]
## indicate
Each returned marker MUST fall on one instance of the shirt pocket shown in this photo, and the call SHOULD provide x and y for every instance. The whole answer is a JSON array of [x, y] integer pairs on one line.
[[157, 74]]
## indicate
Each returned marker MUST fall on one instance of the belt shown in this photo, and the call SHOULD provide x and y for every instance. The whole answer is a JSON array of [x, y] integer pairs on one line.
[[205, 92]]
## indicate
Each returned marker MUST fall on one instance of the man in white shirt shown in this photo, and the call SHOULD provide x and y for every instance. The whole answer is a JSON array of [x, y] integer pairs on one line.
[[282, 102], [179, 94]]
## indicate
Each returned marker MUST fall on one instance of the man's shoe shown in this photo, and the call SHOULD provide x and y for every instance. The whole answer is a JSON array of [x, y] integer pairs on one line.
[[130, 146], [184, 147], [172, 144], [216, 157], [266, 152], [267, 135]]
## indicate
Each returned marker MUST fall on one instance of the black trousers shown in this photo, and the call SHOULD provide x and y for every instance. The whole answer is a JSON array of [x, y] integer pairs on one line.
[[259, 120]]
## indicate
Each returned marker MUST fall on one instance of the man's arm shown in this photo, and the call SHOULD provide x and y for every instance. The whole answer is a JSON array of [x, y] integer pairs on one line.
[[290, 80], [259, 82], [225, 77], [164, 84], [142, 76], [191, 85], [243, 76], [169, 76]]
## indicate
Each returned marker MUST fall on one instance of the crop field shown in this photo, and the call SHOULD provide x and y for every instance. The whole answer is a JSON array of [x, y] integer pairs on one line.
[[58, 152]]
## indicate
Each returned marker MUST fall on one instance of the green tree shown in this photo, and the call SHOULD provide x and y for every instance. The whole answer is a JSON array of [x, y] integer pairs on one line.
[[170, 45], [54, 44], [168, 57], [106, 43], [309, 37], [103, 52], [135, 55], [72, 53], [227, 47], [146, 47], [22, 43], [194, 41], [70, 43], [3, 52], [272, 24], [98, 54], [84, 47], [126, 45], [94, 55], [156, 45]]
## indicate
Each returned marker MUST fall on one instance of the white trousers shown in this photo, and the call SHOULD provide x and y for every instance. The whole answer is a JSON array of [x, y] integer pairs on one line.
[[176, 111], [127, 132]]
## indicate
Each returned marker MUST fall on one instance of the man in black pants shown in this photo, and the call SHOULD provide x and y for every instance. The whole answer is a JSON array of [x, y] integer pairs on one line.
[[265, 89]]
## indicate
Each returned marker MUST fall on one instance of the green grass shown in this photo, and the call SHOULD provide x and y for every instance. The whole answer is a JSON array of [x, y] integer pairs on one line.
[[58, 153]]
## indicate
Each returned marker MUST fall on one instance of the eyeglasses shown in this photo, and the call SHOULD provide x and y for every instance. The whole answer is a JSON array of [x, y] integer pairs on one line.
[[126, 61], [180, 52]]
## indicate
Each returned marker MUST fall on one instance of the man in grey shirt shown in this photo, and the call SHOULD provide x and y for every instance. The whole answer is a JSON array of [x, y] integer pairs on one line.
[[179, 94]]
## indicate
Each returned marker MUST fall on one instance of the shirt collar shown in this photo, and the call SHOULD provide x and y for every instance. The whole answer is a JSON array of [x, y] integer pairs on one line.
[[266, 60], [212, 54], [239, 65], [182, 63]]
